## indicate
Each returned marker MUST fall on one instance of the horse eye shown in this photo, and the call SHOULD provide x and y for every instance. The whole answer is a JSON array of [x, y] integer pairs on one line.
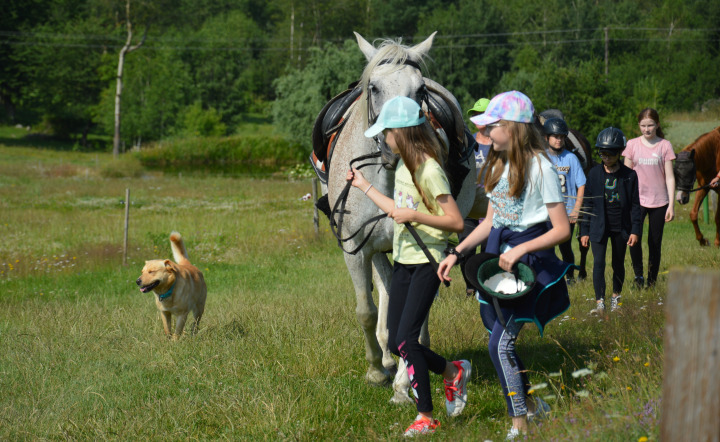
[[372, 88]]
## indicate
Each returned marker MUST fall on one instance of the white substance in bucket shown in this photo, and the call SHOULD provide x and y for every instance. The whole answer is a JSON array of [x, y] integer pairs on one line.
[[504, 283]]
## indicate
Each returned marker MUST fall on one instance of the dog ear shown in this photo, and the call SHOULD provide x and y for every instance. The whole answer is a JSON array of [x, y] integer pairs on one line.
[[168, 266]]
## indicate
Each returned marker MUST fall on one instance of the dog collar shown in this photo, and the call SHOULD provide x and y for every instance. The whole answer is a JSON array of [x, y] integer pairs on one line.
[[166, 294]]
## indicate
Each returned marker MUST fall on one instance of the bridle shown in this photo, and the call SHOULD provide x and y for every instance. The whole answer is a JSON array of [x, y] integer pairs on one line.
[[339, 207]]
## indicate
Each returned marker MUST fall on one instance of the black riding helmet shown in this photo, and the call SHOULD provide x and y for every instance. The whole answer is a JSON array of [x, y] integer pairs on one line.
[[611, 138], [555, 126]]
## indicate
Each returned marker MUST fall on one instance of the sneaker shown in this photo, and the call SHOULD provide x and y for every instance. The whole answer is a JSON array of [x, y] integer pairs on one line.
[[422, 425], [570, 281], [599, 308], [614, 303], [639, 281], [456, 391], [542, 409], [513, 434]]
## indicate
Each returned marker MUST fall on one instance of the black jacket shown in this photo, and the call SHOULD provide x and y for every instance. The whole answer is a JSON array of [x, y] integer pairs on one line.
[[592, 223]]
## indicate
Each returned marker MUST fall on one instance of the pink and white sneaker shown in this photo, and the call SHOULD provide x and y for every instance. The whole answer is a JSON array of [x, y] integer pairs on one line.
[[456, 391], [422, 425]]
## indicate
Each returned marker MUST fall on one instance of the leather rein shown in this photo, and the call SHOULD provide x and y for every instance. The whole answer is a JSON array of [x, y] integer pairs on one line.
[[339, 207]]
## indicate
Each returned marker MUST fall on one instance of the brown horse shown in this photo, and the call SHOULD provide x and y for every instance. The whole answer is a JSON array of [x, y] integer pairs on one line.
[[699, 160]]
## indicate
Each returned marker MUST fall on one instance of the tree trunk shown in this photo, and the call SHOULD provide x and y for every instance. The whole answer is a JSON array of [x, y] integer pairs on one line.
[[118, 89]]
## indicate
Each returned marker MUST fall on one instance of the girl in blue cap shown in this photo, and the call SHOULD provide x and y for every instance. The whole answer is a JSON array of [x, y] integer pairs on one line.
[[525, 193], [421, 197]]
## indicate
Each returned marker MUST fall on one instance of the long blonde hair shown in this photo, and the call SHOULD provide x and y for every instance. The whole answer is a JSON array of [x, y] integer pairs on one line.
[[414, 144], [526, 143]]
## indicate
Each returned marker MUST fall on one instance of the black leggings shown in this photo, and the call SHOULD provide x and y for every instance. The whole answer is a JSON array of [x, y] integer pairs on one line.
[[566, 252], [619, 245], [656, 224], [412, 292]]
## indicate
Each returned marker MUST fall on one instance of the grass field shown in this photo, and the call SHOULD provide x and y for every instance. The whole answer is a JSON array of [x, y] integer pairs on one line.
[[279, 355]]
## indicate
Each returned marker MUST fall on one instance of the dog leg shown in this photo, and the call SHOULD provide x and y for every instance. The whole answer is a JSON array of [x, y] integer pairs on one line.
[[180, 324], [197, 315], [165, 316]]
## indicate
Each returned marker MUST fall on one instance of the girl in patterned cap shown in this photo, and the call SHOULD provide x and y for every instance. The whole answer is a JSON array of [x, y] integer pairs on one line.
[[525, 194]]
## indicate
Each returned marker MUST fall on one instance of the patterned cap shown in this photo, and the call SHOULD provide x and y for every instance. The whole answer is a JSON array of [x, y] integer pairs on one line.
[[509, 106]]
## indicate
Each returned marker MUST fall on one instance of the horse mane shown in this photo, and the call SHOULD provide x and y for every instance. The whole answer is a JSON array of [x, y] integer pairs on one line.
[[390, 57]]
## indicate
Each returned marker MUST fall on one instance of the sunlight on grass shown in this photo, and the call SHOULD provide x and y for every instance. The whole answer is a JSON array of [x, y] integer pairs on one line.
[[279, 353]]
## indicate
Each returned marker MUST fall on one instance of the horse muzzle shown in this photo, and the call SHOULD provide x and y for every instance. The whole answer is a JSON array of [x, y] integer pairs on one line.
[[682, 197]]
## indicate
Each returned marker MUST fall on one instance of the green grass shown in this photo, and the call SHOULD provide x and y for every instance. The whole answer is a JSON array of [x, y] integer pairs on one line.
[[279, 355]]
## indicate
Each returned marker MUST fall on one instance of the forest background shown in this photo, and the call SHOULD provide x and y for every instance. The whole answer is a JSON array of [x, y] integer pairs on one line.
[[208, 68]]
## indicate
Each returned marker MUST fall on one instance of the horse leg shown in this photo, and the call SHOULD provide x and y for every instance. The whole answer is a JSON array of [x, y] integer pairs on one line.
[[359, 267], [382, 274], [699, 197], [717, 223]]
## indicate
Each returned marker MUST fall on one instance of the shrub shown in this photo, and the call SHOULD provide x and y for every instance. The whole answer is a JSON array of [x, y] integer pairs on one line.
[[222, 151]]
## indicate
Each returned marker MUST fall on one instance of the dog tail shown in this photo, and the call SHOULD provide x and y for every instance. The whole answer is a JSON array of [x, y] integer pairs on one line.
[[178, 249]]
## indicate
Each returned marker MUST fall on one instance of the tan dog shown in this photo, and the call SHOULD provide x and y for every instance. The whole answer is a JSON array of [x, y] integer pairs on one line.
[[179, 288]]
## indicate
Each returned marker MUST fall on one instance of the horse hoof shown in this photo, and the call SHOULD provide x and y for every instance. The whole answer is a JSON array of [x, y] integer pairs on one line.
[[401, 398], [380, 378], [704, 242], [392, 370]]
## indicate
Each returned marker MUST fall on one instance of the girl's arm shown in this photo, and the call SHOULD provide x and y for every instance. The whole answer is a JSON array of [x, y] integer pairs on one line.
[[451, 221], [560, 232], [385, 203], [578, 204], [670, 184], [628, 162], [474, 239]]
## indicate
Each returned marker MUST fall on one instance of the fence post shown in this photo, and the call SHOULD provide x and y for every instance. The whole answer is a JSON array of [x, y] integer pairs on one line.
[[691, 391], [316, 217], [127, 218]]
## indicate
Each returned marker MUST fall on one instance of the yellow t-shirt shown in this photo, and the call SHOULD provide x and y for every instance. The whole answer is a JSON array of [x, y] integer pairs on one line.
[[431, 178]]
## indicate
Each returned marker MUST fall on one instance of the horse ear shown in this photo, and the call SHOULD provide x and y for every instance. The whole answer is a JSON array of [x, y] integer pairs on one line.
[[424, 47], [366, 48]]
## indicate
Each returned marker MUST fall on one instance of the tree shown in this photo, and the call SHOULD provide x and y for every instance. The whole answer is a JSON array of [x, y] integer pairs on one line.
[[301, 94], [126, 49]]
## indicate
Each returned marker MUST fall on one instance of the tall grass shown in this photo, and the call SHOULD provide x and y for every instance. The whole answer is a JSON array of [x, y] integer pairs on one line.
[[279, 354]]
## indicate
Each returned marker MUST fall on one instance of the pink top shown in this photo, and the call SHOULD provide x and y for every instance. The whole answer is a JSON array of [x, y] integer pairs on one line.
[[649, 164]]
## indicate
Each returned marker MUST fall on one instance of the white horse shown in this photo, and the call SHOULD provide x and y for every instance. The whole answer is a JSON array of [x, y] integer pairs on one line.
[[393, 69]]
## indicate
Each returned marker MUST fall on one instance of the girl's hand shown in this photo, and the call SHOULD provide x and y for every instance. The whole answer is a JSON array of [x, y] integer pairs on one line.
[[510, 258], [445, 266], [357, 178], [402, 215], [670, 213], [584, 240], [632, 240], [715, 181]]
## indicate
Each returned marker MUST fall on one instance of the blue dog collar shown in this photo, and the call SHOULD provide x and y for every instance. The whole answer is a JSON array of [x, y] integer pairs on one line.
[[167, 294]]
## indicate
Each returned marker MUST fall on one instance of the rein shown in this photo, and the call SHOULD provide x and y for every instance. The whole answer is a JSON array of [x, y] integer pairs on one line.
[[339, 209]]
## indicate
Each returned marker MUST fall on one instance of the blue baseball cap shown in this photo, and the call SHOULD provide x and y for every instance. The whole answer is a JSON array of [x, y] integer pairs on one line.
[[400, 111]]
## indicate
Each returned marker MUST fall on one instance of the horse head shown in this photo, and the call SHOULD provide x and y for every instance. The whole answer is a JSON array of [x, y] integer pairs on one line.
[[392, 70], [685, 174]]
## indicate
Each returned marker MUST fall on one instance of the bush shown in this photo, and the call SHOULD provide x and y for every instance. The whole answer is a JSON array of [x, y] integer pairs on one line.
[[222, 151], [126, 166]]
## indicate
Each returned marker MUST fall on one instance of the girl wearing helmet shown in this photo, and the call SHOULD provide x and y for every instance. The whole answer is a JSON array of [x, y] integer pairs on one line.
[[572, 181], [613, 204]]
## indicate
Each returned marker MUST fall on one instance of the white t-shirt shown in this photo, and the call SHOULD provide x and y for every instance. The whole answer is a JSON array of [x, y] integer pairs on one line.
[[542, 187]]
